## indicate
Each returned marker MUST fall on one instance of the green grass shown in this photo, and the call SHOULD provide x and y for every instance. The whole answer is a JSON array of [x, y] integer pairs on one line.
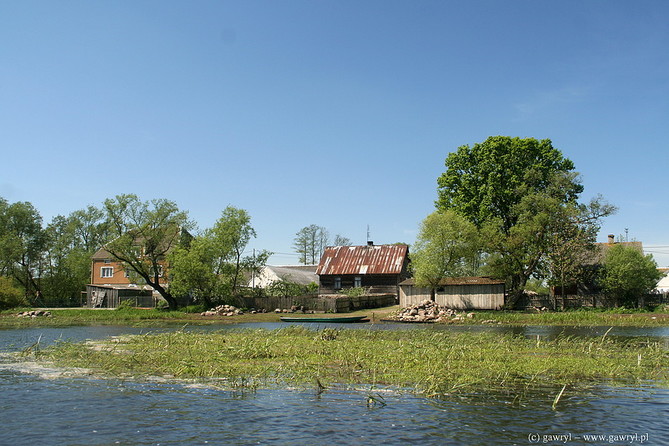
[[424, 361], [153, 317], [578, 317]]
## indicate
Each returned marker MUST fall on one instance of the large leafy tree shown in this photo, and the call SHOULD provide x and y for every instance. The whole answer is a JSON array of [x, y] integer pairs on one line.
[[628, 274], [144, 234], [511, 189], [71, 242], [447, 246], [22, 245], [230, 237], [211, 268]]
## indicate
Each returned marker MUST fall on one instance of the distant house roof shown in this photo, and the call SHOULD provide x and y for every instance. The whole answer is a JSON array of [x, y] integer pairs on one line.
[[304, 275], [369, 259], [483, 280], [599, 254]]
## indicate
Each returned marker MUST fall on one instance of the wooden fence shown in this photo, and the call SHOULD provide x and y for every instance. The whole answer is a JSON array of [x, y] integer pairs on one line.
[[590, 301], [328, 303]]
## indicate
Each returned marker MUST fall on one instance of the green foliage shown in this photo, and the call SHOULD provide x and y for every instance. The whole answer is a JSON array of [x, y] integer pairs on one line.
[[355, 291], [22, 244], [628, 274], [10, 296], [447, 246], [486, 181], [211, 269], [284, 288], [432, 363], [145, 233], [522, 195], [124, 305]]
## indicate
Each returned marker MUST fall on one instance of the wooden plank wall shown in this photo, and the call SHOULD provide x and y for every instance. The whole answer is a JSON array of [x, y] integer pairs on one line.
[[460, 297]]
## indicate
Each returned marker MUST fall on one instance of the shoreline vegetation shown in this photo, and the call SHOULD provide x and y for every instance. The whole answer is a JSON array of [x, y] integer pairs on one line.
[[420, 361], [60, 317]]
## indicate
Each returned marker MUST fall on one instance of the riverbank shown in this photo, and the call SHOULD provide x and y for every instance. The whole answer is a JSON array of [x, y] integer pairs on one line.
[[60, 317], [422, 361]]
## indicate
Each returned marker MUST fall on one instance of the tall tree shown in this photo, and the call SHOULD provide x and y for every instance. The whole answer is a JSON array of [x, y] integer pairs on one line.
[[310, 242], [447, 246], [230, 235], [211, 268], [22, 246], [145, 233], [571, 242], [510, 188], [71, 242]]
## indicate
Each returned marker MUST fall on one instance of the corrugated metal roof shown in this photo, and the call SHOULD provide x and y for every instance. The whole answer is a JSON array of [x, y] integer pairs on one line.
[[370, 259]]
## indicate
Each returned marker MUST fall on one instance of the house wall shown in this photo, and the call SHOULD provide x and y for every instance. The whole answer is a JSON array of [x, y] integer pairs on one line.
[[388, 283], [118, 278], [460, 297]]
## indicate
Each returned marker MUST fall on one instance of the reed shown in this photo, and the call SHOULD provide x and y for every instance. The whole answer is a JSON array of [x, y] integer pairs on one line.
[[427, 362]]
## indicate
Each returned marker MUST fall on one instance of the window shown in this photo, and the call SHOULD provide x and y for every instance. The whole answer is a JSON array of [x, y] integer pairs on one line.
[[357, 282], [337, 283], [106, 271]]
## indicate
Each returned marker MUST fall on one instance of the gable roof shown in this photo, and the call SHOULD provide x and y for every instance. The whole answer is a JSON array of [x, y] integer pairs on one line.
[[369, 259], [304, 275]]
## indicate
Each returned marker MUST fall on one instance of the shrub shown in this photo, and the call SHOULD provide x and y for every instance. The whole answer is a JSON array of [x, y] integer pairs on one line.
[[10, 296]]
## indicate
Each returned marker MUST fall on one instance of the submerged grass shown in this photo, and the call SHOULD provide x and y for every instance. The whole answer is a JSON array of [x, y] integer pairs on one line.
[[427, 362]]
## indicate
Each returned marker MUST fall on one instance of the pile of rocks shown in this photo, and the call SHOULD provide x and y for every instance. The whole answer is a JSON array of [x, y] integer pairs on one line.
[[428, 311], [293, 309], [223, 310], [34, 313]]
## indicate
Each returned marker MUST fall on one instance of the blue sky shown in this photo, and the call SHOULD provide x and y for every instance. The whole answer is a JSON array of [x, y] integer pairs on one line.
[[335, 113]]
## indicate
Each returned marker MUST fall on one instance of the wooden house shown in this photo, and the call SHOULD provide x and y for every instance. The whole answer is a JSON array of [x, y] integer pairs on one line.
[[379, 268], [460, 293]]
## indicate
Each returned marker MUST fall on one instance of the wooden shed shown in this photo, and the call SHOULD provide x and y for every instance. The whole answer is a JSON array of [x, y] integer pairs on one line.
[[461, 293]]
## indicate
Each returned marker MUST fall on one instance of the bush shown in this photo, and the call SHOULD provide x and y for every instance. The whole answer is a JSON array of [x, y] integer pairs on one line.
[[355, 292], [10, 296]]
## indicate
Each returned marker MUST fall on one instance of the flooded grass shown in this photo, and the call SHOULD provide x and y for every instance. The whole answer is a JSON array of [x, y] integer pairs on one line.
[[424, 361]]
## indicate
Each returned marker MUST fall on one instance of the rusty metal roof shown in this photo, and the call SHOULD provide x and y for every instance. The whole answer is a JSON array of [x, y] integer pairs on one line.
[[370, 259]]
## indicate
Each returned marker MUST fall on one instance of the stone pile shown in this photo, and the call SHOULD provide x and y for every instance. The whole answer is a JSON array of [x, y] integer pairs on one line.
[[34, 313], [223, 310], [428, 311], [293, 309]]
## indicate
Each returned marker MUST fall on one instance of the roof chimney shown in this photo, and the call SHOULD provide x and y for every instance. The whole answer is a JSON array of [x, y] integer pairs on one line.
[[370, 243], [612, 239]]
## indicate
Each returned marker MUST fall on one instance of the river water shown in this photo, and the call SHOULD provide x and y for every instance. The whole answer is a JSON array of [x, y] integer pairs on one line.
[[41, 406]]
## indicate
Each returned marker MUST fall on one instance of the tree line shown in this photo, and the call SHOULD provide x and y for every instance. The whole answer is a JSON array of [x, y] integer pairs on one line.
[[49, 266], [507, 207]]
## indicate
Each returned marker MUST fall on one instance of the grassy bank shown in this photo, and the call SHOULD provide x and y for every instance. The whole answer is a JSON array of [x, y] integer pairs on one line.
[[152, 317], [427, 362]]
